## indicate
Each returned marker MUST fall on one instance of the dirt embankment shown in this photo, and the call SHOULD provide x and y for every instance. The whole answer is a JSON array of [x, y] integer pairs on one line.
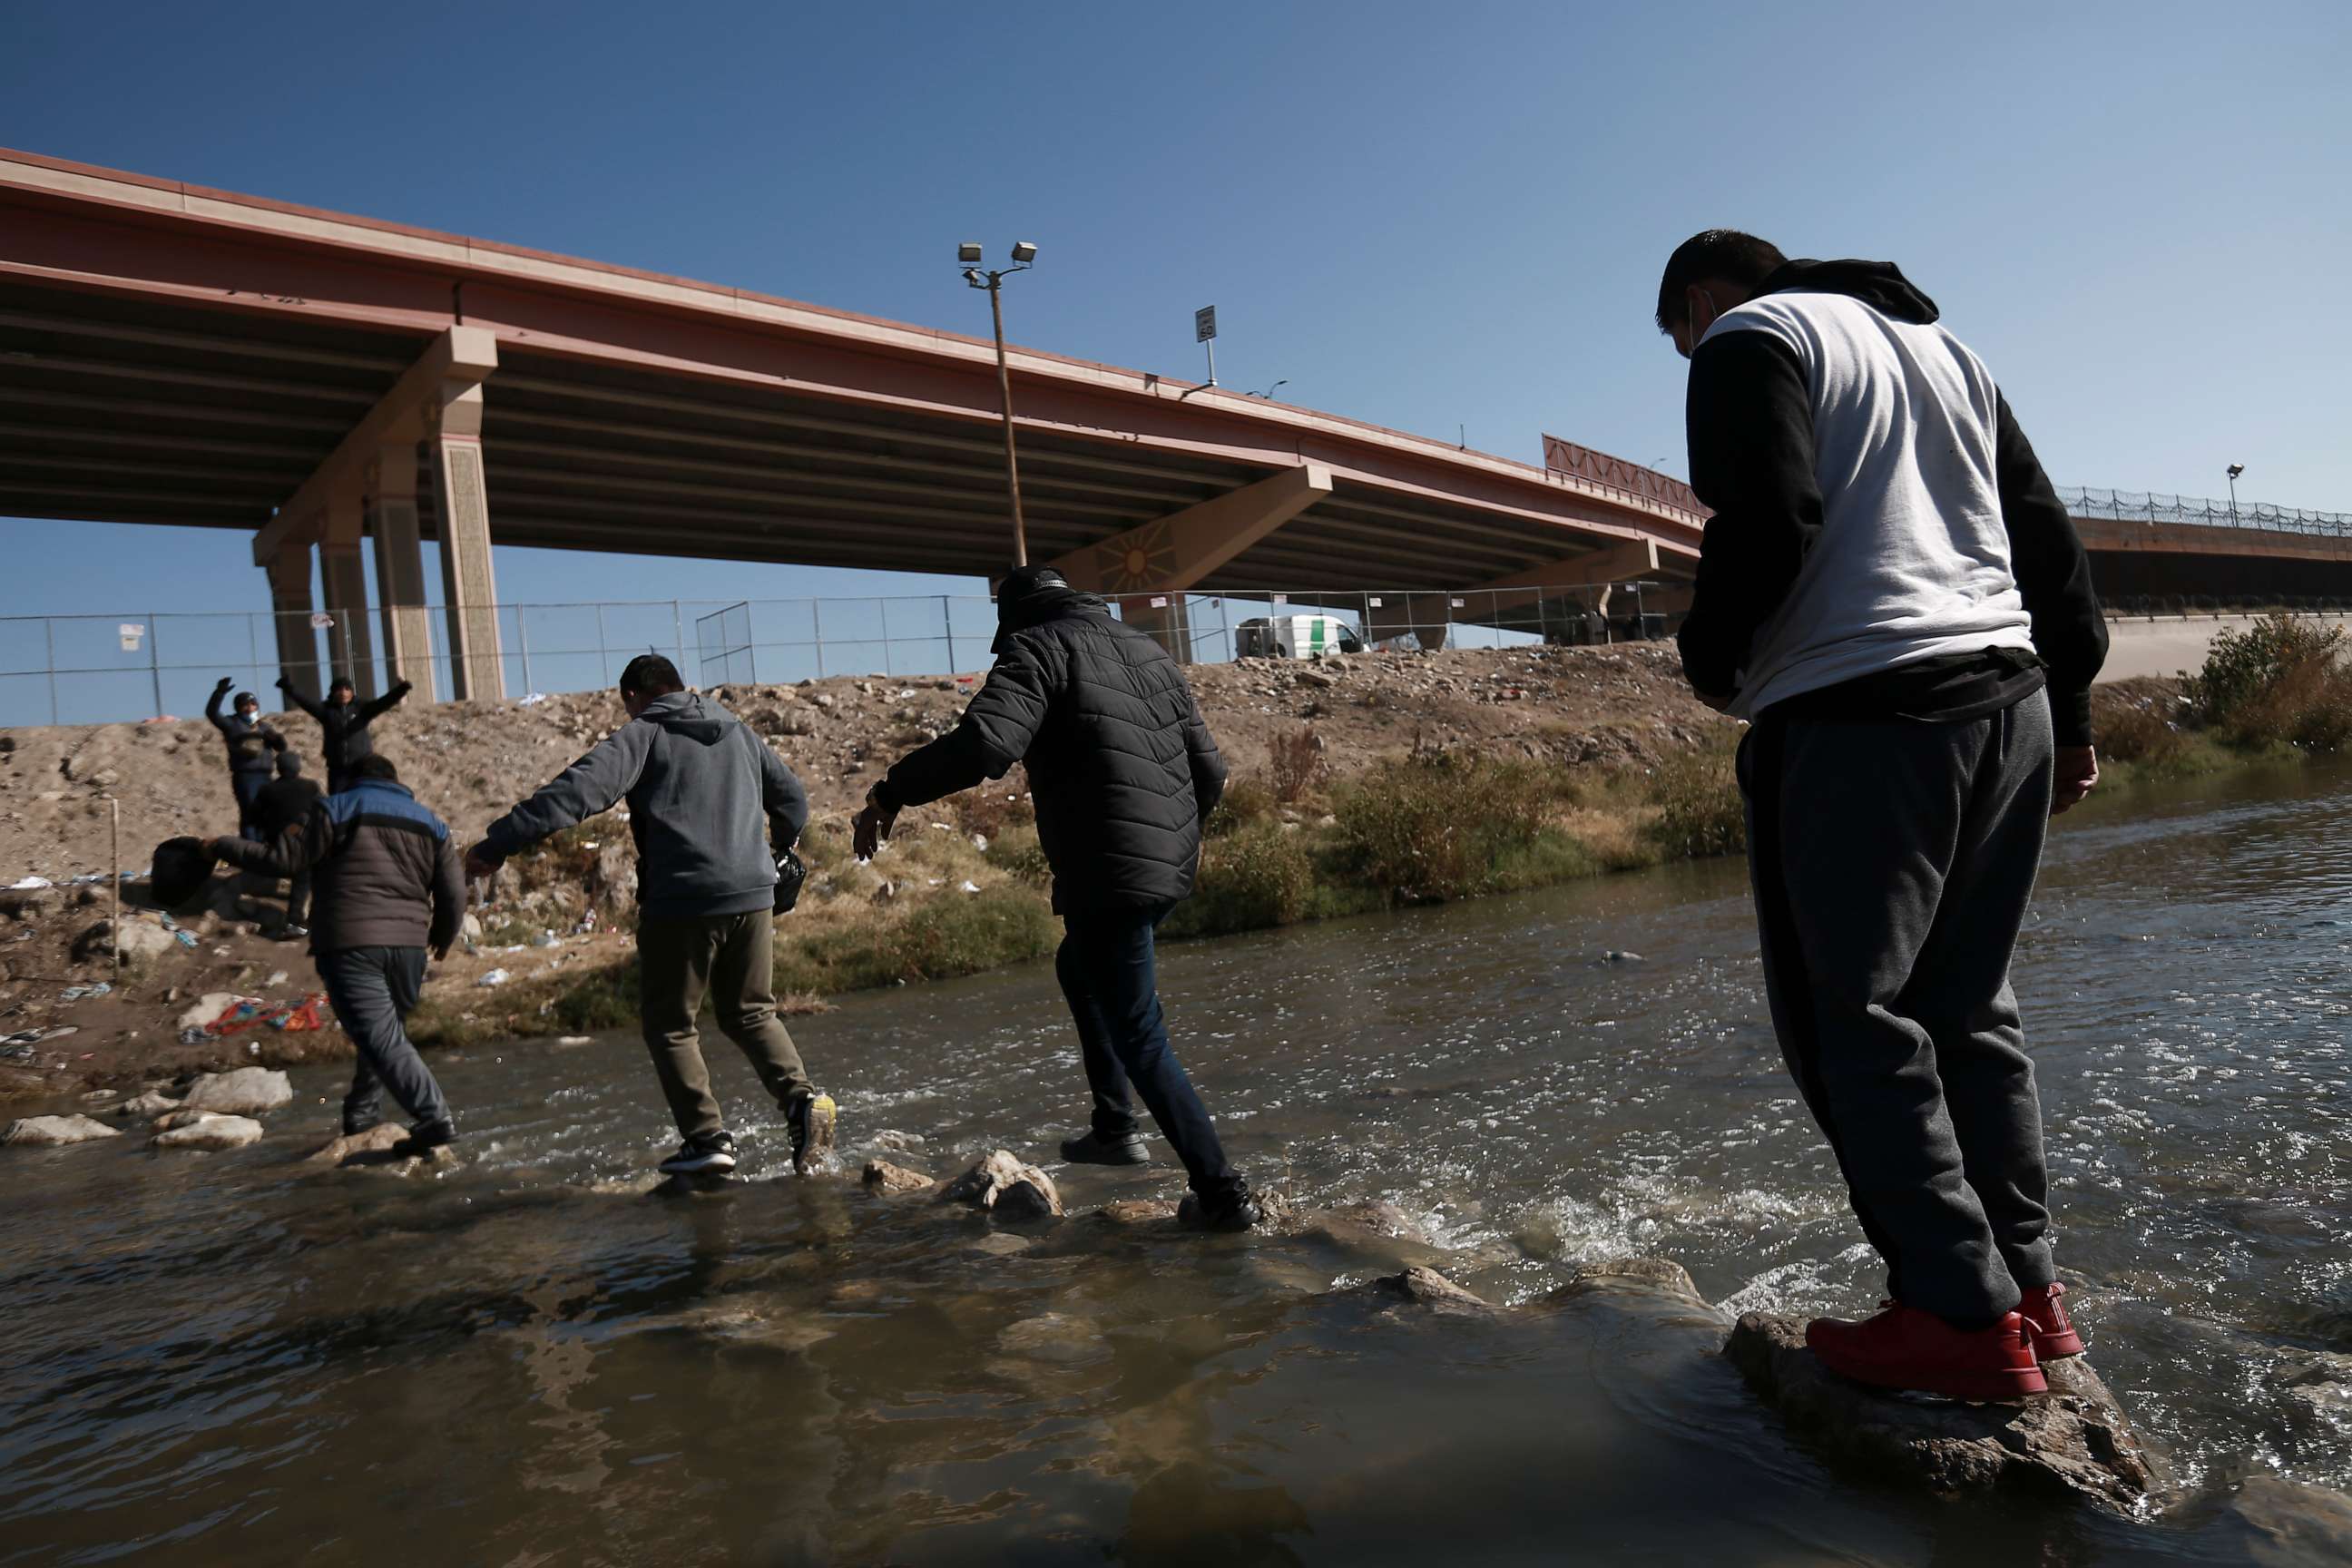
[[471, 761]]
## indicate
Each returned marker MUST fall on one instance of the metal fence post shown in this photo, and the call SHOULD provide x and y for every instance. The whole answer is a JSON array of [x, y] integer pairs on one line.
[[677, 631], [947, 619], [884, 605], [522, 642], [604, 665], [50, 636], [816, 629], [252, 651], [156, 660]]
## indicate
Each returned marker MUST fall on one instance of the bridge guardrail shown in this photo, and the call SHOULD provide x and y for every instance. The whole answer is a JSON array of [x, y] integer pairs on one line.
[[2144, 506]]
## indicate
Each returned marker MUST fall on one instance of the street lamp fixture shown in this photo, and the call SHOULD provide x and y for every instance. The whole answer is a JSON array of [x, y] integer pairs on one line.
[[2235, 469], [992, 279], [1269, 391]]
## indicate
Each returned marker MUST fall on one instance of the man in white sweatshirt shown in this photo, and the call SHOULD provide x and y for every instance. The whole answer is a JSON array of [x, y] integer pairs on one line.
[[1891, 593]]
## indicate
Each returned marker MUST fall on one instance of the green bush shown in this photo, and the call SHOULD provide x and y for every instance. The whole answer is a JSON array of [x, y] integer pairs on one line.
[[1256, 877], [2280, 679], [1440, 825], [1699, 808], [951, 935], [2137, 732]]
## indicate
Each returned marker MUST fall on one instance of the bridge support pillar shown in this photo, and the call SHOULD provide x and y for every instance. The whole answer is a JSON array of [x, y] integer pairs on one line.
[[388, 487], [350, 642], [289, 607], [469, 587]]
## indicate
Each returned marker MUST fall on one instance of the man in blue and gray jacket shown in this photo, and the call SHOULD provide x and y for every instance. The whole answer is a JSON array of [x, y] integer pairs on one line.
[[707, 797]]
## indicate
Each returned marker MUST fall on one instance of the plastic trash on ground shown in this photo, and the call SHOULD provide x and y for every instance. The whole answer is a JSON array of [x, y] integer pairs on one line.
[[494, 977]]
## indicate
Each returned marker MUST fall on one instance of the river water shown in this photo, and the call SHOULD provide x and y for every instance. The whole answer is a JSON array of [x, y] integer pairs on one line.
[[529, 1360]]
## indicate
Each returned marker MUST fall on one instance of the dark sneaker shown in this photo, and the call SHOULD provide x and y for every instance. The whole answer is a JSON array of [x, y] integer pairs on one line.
[[1905, 1348], [813, 1121], [428, 1136], [1094, 1149], [289, 933], [711, 1156], [2044, 1312], [1232, 1208]]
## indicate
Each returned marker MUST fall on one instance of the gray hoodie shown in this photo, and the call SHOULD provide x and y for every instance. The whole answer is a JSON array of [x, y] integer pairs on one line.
[[699, 784]]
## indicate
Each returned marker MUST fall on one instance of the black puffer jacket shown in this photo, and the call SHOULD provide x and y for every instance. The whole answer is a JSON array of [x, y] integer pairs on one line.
[[1122, 767]]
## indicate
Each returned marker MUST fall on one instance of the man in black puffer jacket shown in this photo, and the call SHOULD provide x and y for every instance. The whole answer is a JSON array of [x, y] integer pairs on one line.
[[1123, 772]]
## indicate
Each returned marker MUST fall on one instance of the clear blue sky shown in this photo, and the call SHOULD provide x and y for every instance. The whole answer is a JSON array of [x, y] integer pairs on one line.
[[1430, 216]]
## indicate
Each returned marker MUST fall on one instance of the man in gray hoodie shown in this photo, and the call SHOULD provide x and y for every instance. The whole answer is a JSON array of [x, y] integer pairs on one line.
[[699, 788]]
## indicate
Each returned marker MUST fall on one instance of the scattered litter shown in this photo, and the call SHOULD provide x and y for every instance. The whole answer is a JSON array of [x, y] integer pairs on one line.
[[85, 880], [587, 926], [276, 979], [1617, 956], [186, 939], [534, 701], [594, 843], [980, 842], [494, 977], [77, 992], [29, 884], [970, 887], [575, 1039], [239, 1014], [547, 938], [167, 922]]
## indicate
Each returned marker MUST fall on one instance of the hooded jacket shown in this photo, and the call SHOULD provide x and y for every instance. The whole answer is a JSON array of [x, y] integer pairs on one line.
[[1121, 764], [1885, 543], [384, 868], [250, 741], [343, 726], [705, 796]]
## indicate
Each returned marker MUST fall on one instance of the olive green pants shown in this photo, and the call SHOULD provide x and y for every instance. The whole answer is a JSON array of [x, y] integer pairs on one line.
[[732, 958]]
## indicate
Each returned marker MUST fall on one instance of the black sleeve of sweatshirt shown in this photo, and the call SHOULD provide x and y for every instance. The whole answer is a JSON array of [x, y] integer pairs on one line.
[[2053, 577], [1750, 419]]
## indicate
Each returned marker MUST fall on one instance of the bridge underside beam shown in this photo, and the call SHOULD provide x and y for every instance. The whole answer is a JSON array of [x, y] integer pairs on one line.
[[1171, 553]]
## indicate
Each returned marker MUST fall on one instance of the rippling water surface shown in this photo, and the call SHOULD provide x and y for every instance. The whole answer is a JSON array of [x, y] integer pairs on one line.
[[532, 1361]]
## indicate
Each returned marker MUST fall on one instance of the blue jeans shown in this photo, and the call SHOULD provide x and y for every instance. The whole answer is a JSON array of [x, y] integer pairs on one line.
[[372, 990], [1106, 970]]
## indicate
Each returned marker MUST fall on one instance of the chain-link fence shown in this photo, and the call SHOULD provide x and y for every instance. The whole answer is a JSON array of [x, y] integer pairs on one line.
[[85, 669], [2143, 506]]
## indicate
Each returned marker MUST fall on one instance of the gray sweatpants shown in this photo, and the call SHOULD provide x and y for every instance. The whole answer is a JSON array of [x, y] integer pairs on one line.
[[1892, 862], [373, 990]]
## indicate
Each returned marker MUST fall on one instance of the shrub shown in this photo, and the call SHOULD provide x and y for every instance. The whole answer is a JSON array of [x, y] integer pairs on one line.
[[1438, 825], [2135, 732], [1246, 801], [1295, 766], [2282, 679], [963, 934], [1699, 808], [1256, 876], [1017, 853]]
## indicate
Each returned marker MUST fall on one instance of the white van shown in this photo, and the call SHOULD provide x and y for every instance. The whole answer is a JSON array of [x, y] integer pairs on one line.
[[1295, 636]]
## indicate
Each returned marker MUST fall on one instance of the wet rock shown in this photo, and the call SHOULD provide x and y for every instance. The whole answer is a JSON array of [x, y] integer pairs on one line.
[[384, 1148], [1000, 1244], [241, 1091], [149, 1105], [1382, 1218], [211, 1133], [181, 1117], [2075, 1443], [1137, 1212], [1053, 1336], [1006, 1187], [2283, 1521], [891, 1141], [888, 1180], [1421, 1286], [55, 1132]]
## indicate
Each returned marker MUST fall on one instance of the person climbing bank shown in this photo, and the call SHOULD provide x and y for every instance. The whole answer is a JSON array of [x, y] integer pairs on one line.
[[250, 744]]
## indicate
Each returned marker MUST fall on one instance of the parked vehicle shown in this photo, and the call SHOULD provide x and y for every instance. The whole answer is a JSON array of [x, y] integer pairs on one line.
[[1295, 636]]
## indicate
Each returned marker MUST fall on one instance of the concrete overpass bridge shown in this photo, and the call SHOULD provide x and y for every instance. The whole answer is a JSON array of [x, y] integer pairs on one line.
[[333, 385]]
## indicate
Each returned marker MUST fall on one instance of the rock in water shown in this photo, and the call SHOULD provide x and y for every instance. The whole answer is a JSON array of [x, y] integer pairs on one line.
[[55, 1132], [1428, 1288], [150, 1105], [2074, 1442], [383, 1147], [890, 1180], [1006, 1186], [241, 1092], [212, 1134]]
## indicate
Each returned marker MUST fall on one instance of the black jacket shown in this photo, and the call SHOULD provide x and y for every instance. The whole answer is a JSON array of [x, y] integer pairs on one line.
[[385, 868], [1750, 417], [1120, 763], [343, 725], [249, 745], [284, 803]]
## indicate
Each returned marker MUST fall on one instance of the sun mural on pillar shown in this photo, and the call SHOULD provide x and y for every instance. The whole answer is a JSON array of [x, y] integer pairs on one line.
[[1140, 559]]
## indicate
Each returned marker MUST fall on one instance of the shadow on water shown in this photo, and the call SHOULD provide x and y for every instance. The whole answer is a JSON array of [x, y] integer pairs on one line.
[[532, 1359]]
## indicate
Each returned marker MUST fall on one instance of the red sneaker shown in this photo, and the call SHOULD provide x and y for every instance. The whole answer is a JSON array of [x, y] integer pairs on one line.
[[2045, 1320], [1905, 1348]]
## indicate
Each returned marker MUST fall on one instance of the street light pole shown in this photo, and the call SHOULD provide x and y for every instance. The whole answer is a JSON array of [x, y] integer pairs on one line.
[[993, 281]]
